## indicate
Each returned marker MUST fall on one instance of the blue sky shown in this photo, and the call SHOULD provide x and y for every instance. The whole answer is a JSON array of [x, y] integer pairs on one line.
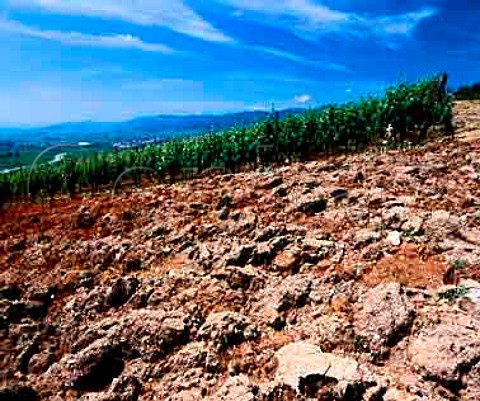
[[110, 60]]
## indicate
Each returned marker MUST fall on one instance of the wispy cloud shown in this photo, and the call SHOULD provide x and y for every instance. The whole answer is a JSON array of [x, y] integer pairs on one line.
[[127, 41], [171, 14], [403, 24], [119, 41], [267, 77], [310, 20], [298, 58], [294, 9]]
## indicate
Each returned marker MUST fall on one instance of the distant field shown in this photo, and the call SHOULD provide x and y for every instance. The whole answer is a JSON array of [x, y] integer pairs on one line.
[[24, 156]]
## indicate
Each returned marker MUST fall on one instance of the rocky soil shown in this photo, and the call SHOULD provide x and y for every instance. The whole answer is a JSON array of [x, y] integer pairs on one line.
[[352, 278]]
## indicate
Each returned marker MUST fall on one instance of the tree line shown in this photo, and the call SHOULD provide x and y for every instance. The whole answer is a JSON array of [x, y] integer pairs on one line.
[[468, 92]]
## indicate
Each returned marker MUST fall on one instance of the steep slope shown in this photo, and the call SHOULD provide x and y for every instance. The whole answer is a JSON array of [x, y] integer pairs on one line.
[[341, 279]]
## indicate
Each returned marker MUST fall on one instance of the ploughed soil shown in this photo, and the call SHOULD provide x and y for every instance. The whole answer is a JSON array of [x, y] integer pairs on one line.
[[347, 278]]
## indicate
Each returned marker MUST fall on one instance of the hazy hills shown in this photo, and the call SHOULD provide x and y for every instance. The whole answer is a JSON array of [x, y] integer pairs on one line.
[[161, 127]]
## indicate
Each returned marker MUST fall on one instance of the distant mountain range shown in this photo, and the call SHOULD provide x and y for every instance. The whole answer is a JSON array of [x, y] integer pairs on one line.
[[160, 127]]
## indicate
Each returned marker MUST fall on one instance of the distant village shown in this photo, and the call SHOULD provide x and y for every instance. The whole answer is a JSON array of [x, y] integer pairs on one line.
[[136, 143]]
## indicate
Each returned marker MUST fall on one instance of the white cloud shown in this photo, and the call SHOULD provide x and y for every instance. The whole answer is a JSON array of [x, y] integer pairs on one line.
[[295, 9], [119, 41], [268, 77], [172, 14], [298, 59], [127, 41], [403, 24], [309, 20], [302, 99]]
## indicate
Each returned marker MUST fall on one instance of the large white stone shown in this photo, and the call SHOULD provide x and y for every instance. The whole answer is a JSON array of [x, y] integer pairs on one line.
[[300, 360]]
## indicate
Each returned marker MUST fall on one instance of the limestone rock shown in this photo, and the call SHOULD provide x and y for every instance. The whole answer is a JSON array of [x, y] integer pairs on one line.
[[444, 352], [301, 364], [226, 329], [384, 316]]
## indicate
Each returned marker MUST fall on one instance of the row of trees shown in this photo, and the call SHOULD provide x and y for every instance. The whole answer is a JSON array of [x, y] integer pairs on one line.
[[468, 92], [336, 128]]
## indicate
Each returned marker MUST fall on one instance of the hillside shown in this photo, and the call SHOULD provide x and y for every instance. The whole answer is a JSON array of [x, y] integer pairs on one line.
[[345, 278]]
